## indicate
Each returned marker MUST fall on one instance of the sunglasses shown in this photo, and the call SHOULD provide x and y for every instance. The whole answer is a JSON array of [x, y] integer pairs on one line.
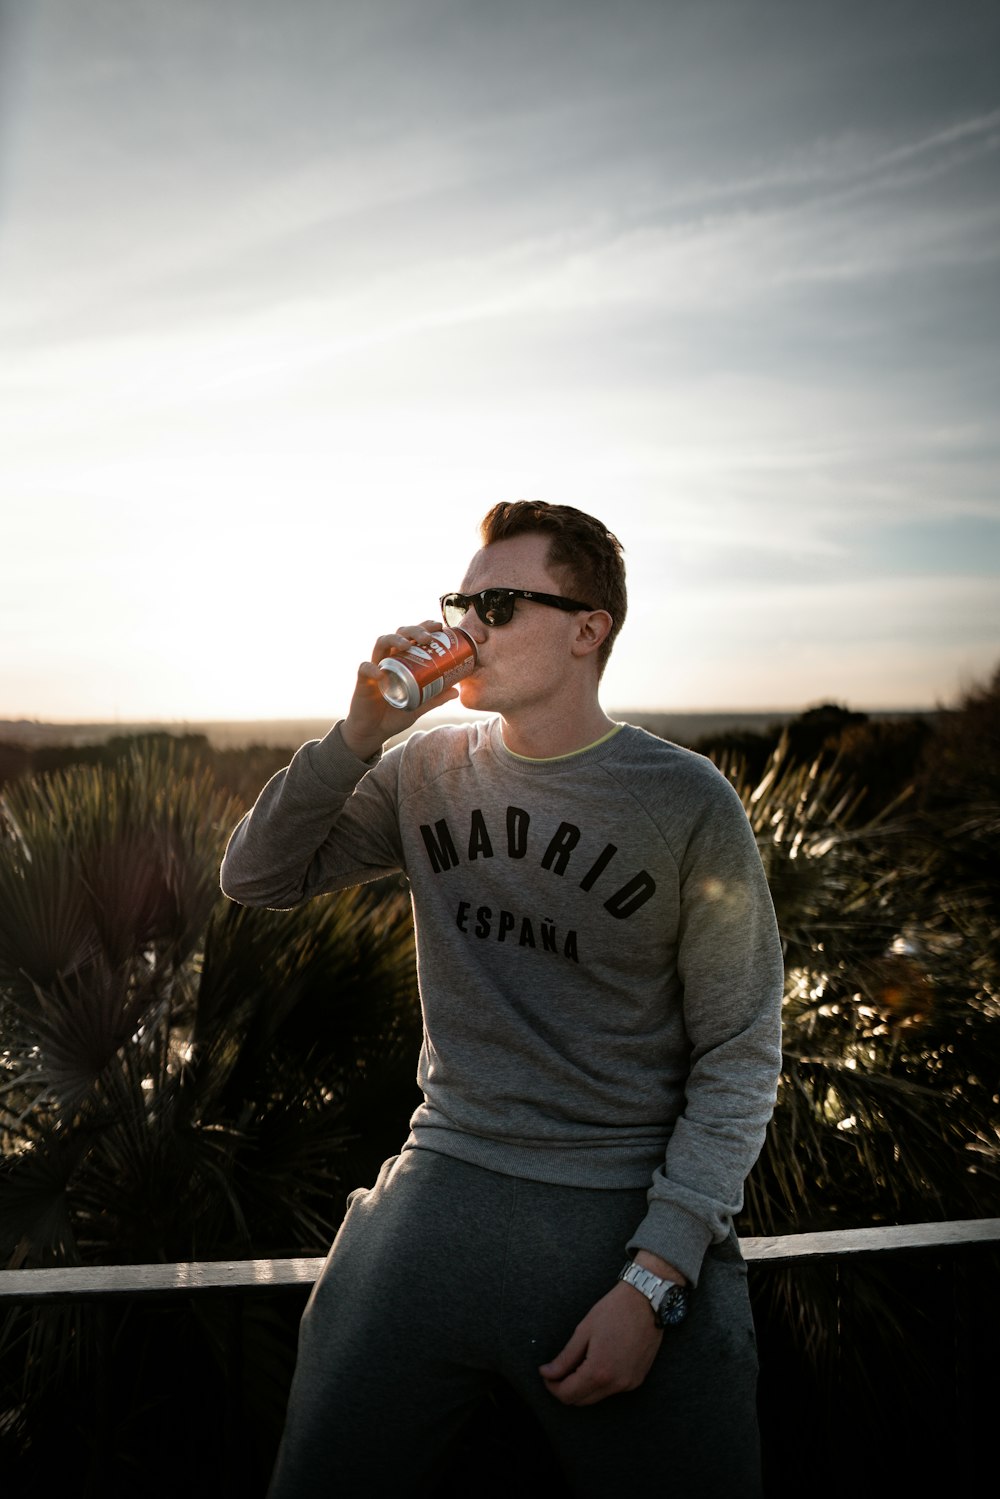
[[495, 606]]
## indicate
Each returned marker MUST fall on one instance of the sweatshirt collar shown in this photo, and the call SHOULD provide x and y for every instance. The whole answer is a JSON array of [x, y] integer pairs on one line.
[[539, 762]]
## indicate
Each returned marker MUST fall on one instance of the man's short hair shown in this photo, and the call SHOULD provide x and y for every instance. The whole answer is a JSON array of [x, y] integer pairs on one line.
[[586, 556]]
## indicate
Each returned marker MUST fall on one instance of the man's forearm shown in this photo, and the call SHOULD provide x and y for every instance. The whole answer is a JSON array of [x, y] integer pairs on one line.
[[271, 851]]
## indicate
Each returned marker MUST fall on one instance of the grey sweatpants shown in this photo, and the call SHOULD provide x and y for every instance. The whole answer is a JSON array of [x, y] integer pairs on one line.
[[443, 1278]]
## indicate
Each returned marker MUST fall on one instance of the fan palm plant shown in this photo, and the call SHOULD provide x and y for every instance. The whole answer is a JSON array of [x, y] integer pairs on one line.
[[887, 1106], [179, 1078]]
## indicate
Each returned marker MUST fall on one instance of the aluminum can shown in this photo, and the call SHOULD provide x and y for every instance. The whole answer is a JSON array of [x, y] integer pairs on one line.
[[424, 672]]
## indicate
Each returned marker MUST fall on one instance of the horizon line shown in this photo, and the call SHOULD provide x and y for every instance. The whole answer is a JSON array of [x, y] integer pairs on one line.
[[724, 709]]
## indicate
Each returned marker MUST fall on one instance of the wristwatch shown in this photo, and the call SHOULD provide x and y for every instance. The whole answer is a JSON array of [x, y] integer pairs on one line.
[[667, 1298]]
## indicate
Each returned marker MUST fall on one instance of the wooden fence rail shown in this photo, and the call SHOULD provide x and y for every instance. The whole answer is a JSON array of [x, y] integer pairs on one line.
[[239, 1276]]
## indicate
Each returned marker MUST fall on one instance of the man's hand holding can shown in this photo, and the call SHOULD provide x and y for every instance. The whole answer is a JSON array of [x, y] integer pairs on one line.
[[374, 717]]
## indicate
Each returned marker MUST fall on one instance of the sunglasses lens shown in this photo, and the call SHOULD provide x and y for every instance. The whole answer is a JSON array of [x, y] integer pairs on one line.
[[494, 606]]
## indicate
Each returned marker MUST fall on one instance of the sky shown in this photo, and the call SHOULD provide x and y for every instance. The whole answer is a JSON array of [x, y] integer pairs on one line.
[[291, 294]]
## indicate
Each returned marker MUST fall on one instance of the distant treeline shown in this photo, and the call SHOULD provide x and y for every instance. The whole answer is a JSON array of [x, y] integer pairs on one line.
[[884, 754]]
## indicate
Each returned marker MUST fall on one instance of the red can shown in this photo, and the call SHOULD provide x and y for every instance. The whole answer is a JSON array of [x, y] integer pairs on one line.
[[425, 671]]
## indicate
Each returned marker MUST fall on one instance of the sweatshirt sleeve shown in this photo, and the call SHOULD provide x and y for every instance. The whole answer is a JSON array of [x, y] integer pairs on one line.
[[324, 822], [730, 965]]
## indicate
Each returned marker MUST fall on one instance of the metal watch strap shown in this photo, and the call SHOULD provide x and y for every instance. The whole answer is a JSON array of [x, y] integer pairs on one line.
[[656, 1291]]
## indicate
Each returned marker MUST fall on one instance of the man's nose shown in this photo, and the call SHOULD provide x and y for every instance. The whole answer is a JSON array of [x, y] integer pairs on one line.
[[473, 625]]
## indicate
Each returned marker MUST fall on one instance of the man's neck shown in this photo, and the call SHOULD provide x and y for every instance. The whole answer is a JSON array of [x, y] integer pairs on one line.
[[545, 735]]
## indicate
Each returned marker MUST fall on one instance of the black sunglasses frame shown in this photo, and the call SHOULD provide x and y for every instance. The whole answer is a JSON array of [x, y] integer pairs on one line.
[[491, 601]]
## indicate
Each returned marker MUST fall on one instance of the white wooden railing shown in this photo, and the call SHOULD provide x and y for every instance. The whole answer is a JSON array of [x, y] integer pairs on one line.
[[215, 1276]]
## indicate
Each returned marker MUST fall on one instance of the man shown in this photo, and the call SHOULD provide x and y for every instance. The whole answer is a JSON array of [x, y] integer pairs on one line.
[[601, 976]]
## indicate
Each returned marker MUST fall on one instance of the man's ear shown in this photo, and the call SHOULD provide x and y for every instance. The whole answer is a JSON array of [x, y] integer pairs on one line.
[[592, 631]]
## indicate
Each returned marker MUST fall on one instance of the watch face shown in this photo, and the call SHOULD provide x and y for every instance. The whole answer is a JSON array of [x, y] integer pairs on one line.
[[672, 1306]]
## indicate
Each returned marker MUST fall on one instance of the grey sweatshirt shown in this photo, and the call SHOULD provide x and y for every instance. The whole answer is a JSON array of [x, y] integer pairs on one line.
[[599, 966]]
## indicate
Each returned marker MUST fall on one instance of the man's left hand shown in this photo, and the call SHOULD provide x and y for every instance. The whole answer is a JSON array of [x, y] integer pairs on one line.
[[613, 1348]]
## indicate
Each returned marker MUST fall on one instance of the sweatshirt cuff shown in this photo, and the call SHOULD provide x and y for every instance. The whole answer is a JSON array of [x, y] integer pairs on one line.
[[675, 1236]]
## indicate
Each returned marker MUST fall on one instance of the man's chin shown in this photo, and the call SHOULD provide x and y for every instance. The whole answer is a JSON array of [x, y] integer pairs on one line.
[[473, 692]]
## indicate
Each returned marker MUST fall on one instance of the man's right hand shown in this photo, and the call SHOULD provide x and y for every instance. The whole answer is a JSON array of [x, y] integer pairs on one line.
[[370, 719]]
